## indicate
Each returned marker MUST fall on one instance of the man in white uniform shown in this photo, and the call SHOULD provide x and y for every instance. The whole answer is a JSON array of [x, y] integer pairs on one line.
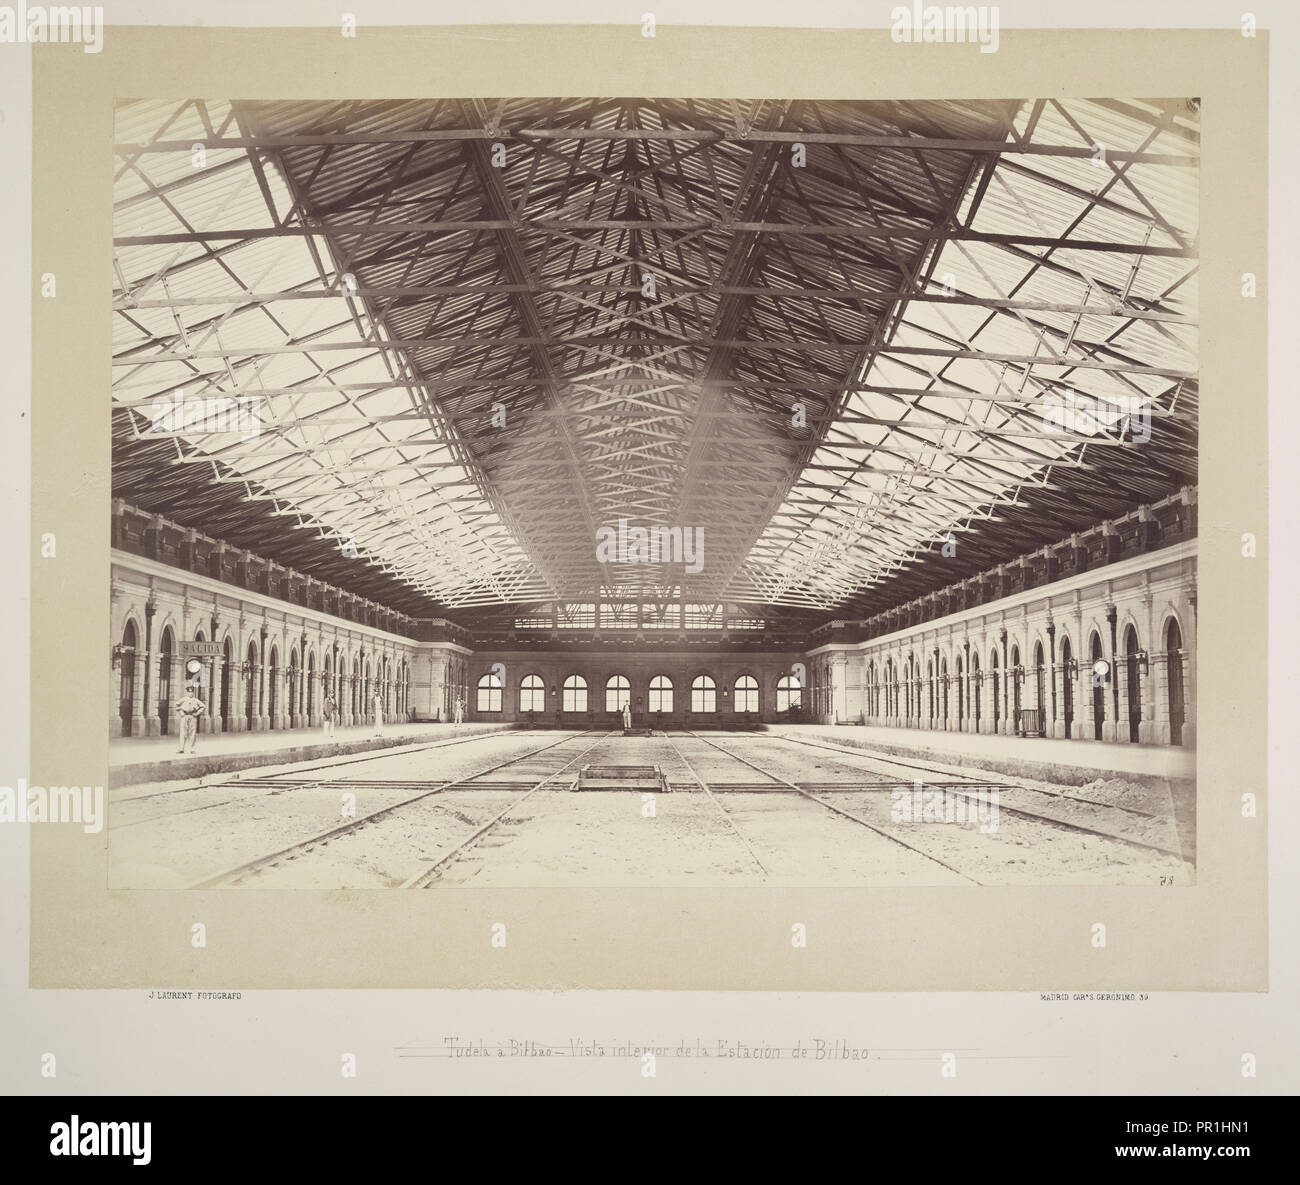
[[189, 708], [379, 715]]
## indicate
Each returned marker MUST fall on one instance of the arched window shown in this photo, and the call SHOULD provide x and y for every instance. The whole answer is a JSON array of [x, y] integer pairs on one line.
[[575, 694], [618, 691], [532, 694], [1017, 676], [661, 694], [704, 694], [789, 693], [746, 694], [489, 693]]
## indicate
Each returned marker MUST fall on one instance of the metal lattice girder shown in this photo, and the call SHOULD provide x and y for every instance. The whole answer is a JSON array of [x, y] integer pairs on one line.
[[826, 334]]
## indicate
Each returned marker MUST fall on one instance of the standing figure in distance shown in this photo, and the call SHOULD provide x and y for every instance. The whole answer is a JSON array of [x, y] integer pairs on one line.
[[460, 711], [331, 714], [627, 718], [379, 714], [190, 708]]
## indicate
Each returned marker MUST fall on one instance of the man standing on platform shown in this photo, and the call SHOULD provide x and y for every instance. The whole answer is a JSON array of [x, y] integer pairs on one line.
[[460, 711], [627, 718], [189, 708], [379, 715], [331, 714]]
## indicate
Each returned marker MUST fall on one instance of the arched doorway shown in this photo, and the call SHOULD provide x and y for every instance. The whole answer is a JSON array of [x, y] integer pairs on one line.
[[227, 674], [997, 691], [1098, 690], [961, 696], [293, 685], [1174, 674], [126, 686], [310, 687], [977, 685], [1067, 688], [1134, 681], [166, 660], [250, 688], [272, 677], [1016, 675]]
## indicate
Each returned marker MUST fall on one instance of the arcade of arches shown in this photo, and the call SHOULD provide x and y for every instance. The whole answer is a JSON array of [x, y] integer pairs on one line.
[[1020, 665], [1027, 665], [267, 664]]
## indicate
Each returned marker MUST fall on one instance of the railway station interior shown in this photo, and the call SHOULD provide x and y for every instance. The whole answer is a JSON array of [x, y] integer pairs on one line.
[[661, 424]]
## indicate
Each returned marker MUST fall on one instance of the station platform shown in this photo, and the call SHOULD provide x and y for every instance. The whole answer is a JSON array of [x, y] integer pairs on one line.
[[1068, 763], [138, 760]]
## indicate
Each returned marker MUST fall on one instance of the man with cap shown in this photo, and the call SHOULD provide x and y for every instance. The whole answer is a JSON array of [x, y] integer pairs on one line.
[[189, 708]]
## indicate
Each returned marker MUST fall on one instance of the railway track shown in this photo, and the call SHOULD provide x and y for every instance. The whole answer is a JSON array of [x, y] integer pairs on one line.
[[703, 785], [282, 781], [969, 791], [515, 777], [430, 875], [884, 834], [250, 868], [1018, 784]]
